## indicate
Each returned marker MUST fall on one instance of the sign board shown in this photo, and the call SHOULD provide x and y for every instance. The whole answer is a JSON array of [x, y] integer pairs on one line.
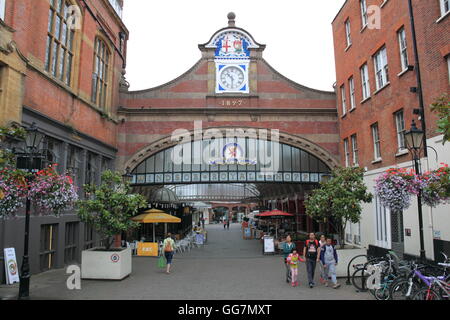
[[437, 234], [269, 245], [147, 249], [11, 268], [199, 238]]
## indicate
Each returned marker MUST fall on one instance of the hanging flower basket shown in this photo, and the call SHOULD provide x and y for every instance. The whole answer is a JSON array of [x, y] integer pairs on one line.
[[395, 187], [436, 186], [13, 190], [52, 192]]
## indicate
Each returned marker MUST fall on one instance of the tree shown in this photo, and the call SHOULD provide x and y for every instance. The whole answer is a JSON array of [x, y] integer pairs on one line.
[[339, 199], [442, 108], [109, 207]]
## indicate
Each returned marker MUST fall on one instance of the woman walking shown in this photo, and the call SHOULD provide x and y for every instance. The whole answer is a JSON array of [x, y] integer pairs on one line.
[[169, 248], [323, 274]]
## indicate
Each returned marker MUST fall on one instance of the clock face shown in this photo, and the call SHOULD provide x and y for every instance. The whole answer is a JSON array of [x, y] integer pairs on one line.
[[232, 78]]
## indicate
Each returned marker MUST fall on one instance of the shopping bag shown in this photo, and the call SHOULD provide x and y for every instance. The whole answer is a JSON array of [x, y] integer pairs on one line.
[[161, 262]]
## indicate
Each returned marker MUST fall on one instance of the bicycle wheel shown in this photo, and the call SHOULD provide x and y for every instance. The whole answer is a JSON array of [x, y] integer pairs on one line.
[[399, 290], [427, 294], [358, 280], [382, 293]]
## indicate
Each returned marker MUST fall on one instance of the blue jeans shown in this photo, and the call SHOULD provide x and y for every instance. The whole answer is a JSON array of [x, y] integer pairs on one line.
[[310, 268], [331, 271], [169, 256]]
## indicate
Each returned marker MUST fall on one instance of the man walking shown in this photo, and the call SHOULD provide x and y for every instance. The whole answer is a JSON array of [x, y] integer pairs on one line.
[[228, 224], [329, 258], [311, 253]]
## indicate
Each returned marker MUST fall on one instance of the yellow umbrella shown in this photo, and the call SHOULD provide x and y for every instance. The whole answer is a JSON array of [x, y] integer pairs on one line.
[[156, 216]]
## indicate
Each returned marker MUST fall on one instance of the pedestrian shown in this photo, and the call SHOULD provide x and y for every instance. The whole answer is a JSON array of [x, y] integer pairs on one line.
[[203, 223], [323, 276], [288, 247], [228, 224], [293, 259], [310, 254], [224, 223], [329, 258], [169, 248]]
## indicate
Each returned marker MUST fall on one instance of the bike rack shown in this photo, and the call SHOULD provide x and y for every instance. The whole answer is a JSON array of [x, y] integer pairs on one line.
[[348, 282]]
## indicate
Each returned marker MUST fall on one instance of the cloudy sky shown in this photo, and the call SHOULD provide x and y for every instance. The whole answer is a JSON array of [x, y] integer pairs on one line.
[[164, 36]]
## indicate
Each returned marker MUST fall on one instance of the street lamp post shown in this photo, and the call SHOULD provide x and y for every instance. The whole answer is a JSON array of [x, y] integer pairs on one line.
[[30, 153], [414, 141]]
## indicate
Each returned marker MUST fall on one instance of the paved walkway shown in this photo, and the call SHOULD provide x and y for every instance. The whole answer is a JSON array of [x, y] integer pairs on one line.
[[227, 267]]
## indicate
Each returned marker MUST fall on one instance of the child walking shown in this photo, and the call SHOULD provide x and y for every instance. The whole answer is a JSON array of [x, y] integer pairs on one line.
[[293, 259], [329, 259]]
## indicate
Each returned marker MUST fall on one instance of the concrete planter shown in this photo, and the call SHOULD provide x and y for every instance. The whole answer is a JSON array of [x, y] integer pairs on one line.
[[109, 265], [344, 257]]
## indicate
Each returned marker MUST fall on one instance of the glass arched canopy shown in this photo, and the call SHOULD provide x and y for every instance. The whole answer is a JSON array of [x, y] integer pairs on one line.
[[230, 160]]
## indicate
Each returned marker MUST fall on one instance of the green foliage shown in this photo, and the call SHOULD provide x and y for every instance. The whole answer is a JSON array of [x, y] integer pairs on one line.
[[110, 206], [442, 108], [339, 198], [7, 157]]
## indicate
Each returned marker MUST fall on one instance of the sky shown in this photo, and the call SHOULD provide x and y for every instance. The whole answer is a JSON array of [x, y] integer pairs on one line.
[[164, 36]]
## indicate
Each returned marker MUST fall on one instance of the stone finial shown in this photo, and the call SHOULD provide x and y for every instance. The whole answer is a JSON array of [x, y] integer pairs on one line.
[[231, 16]]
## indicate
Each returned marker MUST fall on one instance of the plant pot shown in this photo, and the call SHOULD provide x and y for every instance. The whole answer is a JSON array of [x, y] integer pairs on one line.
[[97, 263]]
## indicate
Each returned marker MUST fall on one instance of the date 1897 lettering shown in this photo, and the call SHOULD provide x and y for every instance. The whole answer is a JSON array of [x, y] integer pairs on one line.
[[231, 102]]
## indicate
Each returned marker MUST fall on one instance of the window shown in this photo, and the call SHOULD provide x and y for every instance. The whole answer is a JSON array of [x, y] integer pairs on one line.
[[348, 32], [70, 248], [100, 75], [91, 169], [403, 51], [47, 250], [445, 7], [73, 163], [88, 236], [400, 126], [376, 142], [346, 153], [53, 152], [363, 12], [344, 101], [448, 67], [2, 9], [365, 81], [381, 68], [354, 150], [351, 85], [59, 52]]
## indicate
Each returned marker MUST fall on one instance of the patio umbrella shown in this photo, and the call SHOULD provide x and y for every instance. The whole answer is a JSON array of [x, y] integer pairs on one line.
[[156, 216], [274, 214]]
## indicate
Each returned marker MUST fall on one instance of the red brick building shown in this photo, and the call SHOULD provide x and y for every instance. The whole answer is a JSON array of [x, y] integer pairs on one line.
[[64, 60], [374, 74]]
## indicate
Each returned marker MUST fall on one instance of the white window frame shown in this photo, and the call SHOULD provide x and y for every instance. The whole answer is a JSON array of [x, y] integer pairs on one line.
[[348, 32], [381, 68], [403, 48], [400, 128], [448, 67], [365, 83], [382, 224], [354, 140], [376, 142], [346, 153], [2, 9], [351, 86], [364, 18], [445, 7], [343, 100]]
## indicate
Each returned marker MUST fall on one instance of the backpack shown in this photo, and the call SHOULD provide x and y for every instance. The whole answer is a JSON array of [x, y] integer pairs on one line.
[[168, 247]]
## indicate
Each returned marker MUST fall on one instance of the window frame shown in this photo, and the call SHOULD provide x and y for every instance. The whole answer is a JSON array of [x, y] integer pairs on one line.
[[403, 47], [346, 153], [355, 158], [348, 32], [365, 81], [376, 141], [381, 68], [351, 88], [102, 65], [55, 43], [2, 9], [400, 132], [343, 100], [364, 16]]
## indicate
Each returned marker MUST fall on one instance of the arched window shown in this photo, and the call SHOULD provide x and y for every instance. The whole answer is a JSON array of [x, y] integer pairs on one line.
[[59, 54], [100, 73]]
